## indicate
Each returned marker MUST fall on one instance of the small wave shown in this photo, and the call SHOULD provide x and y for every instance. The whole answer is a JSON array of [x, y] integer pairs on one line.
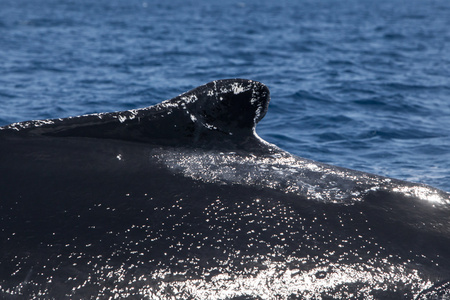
[[340, 63], [402, 86], [48, 22], [331, 137], [392, 104], [7, 95], [373, 101], [394, 36], [397, 133], [315, 96]]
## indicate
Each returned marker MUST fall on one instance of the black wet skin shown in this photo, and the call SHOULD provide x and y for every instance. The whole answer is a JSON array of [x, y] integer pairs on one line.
[[183, 200]]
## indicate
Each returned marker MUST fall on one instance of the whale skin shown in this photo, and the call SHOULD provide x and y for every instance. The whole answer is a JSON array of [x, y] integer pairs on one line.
[[183, 200]]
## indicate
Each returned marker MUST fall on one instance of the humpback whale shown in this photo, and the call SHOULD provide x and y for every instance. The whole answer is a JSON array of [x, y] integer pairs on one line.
[[183, 200]]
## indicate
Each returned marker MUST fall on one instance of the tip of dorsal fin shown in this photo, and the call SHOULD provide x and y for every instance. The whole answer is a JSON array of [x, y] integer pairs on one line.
[[227, 105], [224, 108]]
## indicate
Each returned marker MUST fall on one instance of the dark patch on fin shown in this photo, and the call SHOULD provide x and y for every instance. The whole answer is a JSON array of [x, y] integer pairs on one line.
[[220, 110]]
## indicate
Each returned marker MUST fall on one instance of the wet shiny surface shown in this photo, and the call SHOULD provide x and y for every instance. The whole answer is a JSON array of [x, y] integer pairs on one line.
[[215, 240], [282, 171]]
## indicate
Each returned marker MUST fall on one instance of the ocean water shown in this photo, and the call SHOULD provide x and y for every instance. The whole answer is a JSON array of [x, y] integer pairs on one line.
[[355, 83]]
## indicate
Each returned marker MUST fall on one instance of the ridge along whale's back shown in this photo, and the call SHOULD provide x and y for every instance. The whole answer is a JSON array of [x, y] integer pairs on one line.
[[223, 110]]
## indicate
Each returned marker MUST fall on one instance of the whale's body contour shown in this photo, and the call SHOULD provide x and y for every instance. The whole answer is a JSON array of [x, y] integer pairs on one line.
[[184, 200]]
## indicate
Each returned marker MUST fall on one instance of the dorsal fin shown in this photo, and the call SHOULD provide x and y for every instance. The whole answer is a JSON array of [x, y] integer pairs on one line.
[[222, 109]]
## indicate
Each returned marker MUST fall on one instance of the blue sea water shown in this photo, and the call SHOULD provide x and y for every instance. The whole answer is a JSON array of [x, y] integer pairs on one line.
[[356, 83]]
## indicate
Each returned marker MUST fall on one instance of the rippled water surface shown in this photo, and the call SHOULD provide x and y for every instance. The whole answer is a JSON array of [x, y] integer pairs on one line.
[[361, 84]]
